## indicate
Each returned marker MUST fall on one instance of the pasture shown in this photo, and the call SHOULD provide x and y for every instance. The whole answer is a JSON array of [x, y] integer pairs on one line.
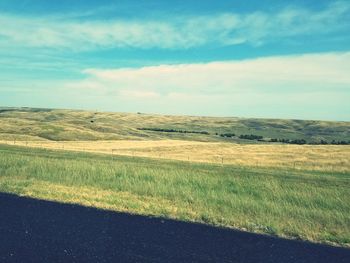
[[305, 157], [196, 169], [28, 124]]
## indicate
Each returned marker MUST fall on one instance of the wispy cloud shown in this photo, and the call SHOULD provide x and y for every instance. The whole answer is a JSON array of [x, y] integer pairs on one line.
[[174, 32], [279, 75]]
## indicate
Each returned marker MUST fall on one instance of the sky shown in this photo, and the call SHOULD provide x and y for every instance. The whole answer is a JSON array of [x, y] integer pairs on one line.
[[252, 58]]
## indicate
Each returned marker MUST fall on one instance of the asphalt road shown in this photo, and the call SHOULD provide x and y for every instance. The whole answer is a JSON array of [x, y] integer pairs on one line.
[[41, 231]]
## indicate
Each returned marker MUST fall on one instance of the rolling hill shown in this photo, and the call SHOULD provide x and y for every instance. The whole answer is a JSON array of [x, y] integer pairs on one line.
[[70, 125]]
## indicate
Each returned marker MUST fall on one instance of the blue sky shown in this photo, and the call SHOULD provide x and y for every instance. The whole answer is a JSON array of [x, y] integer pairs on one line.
[[277, 59]]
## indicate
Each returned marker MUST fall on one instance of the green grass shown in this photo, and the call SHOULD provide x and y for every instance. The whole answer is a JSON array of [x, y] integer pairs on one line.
[[58, 125], [290, 203]]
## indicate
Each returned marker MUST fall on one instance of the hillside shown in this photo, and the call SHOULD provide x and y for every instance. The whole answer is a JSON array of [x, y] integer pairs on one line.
[[71, 125], [218, 171]]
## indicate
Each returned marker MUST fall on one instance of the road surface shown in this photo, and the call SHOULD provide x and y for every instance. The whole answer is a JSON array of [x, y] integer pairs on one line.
[[41, 231]]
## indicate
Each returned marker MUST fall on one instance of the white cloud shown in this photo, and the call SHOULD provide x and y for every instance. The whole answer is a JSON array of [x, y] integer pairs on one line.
[[172, 33], [327, 72]]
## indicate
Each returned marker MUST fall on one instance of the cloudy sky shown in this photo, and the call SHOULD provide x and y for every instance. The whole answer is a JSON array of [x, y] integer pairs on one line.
[[252, 58]]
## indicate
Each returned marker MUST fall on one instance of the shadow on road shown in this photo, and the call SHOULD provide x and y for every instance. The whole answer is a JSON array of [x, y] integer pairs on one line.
[[41, 231]]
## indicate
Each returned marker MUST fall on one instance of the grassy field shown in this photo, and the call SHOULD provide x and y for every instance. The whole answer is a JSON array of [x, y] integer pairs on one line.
[[293, 203], [304, 157], [180, 167], [73, 125]]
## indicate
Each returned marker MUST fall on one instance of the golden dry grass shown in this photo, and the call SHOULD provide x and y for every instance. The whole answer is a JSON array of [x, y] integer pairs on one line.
[[104, 199], [73, 125], [310, 157]]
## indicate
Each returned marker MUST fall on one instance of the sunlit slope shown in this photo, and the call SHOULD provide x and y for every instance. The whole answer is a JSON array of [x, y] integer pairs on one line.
[[332, 158], [70, 125]]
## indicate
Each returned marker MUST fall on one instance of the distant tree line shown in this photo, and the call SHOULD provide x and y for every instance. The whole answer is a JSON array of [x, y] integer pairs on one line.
[[227, 135], [172, 130], [340, 142], [302, 141], [242, 136], [296, 141], [333, 142], [250, 137]]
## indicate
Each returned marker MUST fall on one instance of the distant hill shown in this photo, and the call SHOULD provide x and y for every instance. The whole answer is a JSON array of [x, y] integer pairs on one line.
[[58, 125]]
